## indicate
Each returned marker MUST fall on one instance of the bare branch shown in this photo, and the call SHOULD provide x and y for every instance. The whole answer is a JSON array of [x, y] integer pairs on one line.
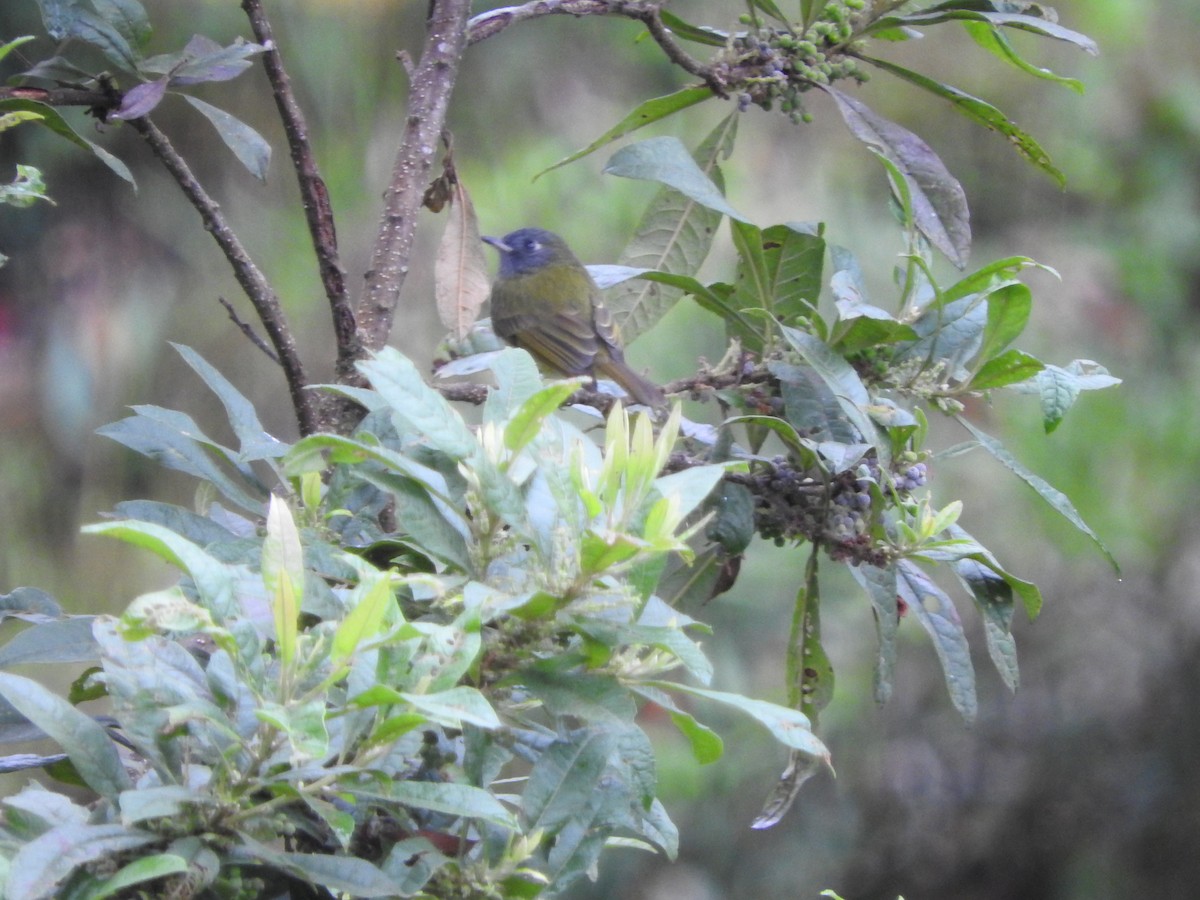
[[248, 331], [492, 22], [98, 99], [429, 94], [248, 275], [313, 193]]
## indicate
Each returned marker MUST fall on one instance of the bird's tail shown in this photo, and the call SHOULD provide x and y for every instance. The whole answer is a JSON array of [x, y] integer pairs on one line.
[[638, 387]]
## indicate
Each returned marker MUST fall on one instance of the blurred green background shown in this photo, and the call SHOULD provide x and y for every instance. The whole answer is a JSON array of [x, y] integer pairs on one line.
[[1083, 784]]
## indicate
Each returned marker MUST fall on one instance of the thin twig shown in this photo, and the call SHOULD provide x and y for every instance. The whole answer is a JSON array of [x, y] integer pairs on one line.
[[248, 331], [313, 193], [248, 275], [429, 95], [492, 22]]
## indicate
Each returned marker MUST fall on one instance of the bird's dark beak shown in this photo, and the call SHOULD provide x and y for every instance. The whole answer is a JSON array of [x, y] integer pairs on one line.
[[498, 243]]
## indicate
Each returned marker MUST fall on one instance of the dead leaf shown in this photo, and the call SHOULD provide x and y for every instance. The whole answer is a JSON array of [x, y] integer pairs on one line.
[[460, 277]]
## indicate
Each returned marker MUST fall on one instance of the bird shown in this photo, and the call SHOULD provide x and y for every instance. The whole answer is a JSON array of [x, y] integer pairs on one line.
[[545, 302]]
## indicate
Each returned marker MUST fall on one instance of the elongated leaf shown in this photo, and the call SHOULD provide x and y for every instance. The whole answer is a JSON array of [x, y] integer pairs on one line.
[[842, 379], [460, 275], [564, 779], [934, 609], [52, 119], [363, 622], [456, 706], [203, 59], [44, 863], [141, 100], [1010, 367], [141, 870], [91, 750], [175, 442], [646, 113], [673, 236], [283, 575], [1057, 499], [707, 746], [994, 599], [939, 203], [880, 585], [991, 39], [214, 580], [419, 406], [667, 161], [456, 799], [700, 34], [979, 111], [952, 10], [344, 875], [255, 442], [87, 26], [128, 17], [251, 149], [789, 726], [1007, 314], [526, 422], [68, 640]]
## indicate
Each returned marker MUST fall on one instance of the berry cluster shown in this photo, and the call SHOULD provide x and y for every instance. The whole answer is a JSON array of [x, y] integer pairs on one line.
[[837, 511], [772, 65]]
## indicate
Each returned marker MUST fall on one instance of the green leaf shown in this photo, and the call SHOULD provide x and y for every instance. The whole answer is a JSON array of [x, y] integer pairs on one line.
[[809, 673], [842, 379], [214, 580], [283, 576], [1059, 391], [87, 744], [43, 864], [364, 621], [204, 60], [12, 45], [456, 799], [592, 698], [254, 441], [880, 585], [938, 201], [994, 599], [456, 706], [141, 870], [419, 407], [673, 236], [700, 34], [128, 17], [707, 746], [341, 874], [646, 113], [1010, 367], [68, 640], [442, 530], [565, 778], [934, 609], [89, 27], [526, 422], [667, 161], [52, 119], [951, 333], [29, 602], [953, 9], [981, 112], [991, 39], [251, 149], [1057, 499], [1007, 314], [174, 441], [789, 726]]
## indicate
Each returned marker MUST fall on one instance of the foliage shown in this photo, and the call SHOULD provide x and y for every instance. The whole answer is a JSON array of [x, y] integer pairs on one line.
[[406, 657]]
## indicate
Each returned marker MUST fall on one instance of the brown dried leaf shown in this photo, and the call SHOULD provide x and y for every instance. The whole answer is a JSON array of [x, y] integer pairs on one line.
[[460, 277]]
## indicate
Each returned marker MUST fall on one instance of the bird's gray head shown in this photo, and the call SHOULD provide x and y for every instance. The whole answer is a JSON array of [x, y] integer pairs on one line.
[[530, 249]]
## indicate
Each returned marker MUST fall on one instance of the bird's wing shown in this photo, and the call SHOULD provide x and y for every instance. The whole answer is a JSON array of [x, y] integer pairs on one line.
[[561, 337]]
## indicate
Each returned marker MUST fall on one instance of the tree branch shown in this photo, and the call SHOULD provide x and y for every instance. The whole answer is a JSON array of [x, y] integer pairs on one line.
[[432, 82], [492, 22], [313, 193], [248, 275]]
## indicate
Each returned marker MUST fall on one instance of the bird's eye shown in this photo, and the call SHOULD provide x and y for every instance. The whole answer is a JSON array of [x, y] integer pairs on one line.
[[533, 246]]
